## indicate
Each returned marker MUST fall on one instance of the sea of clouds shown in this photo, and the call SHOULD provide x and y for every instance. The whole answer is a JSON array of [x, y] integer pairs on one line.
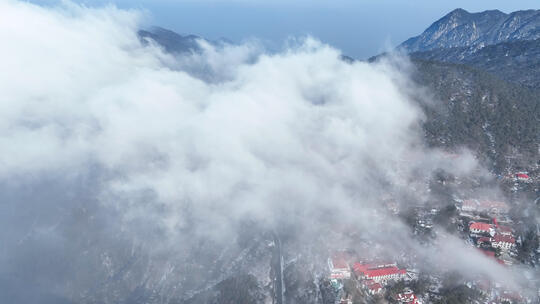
[[110, 142]]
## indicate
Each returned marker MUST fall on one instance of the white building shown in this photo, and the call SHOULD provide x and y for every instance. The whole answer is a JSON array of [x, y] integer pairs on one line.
[[339, 269]]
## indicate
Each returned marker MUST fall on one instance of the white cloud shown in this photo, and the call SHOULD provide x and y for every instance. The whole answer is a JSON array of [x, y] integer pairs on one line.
[[82, 88]]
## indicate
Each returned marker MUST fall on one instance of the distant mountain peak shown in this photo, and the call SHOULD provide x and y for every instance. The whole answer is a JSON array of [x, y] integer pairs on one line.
[[458, 11], [171, 41], [460, 28], [175, 43]]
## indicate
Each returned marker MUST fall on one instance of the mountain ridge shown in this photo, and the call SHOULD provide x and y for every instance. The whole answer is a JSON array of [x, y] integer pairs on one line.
[[515, 61], [460, 28], [171, 41]]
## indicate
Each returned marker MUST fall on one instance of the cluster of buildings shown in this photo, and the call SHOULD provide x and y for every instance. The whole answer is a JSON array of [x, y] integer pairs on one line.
[[520, 181], [490, 229], [493, 238], [485, 230], [521, 176], [494, 235], [372, 277], [490, 237]]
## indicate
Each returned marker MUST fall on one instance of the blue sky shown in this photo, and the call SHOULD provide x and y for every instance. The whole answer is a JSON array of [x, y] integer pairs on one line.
[[360, 28]]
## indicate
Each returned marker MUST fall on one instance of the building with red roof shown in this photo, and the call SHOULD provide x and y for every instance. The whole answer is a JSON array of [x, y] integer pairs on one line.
[[479, 227], [373, 287], [503, 241], [378, 274], [360, 267], [522, 176]]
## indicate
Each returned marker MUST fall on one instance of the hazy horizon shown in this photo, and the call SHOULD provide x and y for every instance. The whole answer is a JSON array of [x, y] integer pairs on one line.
[[347, 25]]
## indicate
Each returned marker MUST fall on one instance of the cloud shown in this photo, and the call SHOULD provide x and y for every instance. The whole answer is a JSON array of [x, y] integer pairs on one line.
[[109, 143], [87, 91]]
